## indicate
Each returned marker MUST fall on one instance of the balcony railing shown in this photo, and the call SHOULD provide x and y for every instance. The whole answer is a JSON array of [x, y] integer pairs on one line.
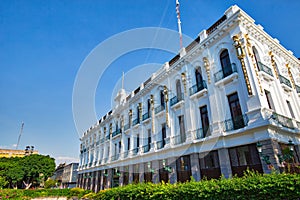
[[115, 157], [235, 123], [107, 137], [117, 132], [227, 71], [176, 99], [146, 116], [285, 81], [135, 121], [199, 133], [160, 144], [101, 140], [197, 87], [298, 88], [159, 109], [178, 139], [264, 68], [126, 127], [283, 120], [125, 154], [146, 148], [135, 151]]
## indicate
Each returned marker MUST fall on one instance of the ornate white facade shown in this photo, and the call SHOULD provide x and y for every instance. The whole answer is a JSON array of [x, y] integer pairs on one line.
[[202, 113]]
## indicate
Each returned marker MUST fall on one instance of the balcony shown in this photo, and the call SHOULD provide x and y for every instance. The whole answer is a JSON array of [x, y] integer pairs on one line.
[[283, 120], [265, 68], [115, 157], [146, 116], [223, 73], [107, 137], [235, 123], [199, 133], [135, 151], [117, 132], [176, 99], [146, 148], [126, 127], [178, 139], [197, 87], [285, 81], [159, 108], [160, 144], [125, 154], [135, 121], [298, 89]]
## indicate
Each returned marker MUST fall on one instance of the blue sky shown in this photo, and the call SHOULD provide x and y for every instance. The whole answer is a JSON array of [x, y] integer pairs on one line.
[[44, 42]]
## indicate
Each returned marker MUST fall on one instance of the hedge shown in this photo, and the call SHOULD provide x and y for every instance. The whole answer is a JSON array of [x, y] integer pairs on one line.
[[19, 194], [251, 186]]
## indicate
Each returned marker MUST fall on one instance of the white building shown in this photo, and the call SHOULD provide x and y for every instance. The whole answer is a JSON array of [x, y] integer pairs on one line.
[[204, 113]]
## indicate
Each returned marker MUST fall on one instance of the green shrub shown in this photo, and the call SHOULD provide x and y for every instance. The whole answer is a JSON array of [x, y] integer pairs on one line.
[[251, 186], [50, 183]]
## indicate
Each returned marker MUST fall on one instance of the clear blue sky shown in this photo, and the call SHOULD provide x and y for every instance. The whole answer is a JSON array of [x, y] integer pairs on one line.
[[44, 42]]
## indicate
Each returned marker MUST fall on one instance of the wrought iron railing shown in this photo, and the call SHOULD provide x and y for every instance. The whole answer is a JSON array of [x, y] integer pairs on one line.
[[126, 127], [117, 132], [107, 137], [159, 109], [146, 148], [125, 154], [285, 81], [235, 123], [176, 99], [135, 151], [160, 144], [264, 68], [135, 121], [283, 120], [298, 88], [227, 71], [198, 87], [115, 157], [178, 139], [199, 133], [146, 116]]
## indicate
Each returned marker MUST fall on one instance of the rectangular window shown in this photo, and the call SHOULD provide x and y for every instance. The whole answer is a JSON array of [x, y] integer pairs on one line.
[[290, 109], [120, 147], [128, 143], [137, 141], [211, 160], [204, 119], [149, 138], [235, 110], [163, 134], [181, 128], [269, 100]]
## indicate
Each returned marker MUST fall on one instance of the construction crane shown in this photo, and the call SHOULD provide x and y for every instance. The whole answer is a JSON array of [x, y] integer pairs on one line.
[[19, 138]]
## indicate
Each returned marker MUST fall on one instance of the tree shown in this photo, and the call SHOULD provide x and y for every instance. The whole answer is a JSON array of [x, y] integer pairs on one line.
[[3, 182], [29, 170], [37, 168]]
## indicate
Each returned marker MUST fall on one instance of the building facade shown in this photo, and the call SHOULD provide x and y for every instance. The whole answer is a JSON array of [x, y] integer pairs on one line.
[[227, 102], [8, 153], [69, 175]]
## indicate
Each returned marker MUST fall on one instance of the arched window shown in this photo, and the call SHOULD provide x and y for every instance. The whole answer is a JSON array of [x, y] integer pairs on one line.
[[225, 63], [178, 90], [199, 79], [256, 57]]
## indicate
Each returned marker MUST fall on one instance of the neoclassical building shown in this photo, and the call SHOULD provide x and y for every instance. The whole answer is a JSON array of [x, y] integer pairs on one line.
[[227, 102]]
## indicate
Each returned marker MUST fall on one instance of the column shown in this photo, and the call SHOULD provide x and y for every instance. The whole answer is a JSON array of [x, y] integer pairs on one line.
[[171, 162], [270, 148], [121, 177], [141, 172], [155, 175], [130, 174], [195, 166], [225, 162], [109, 178]]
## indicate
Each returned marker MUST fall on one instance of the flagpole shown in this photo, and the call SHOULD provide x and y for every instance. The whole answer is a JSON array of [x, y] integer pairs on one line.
[[179, 23]]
